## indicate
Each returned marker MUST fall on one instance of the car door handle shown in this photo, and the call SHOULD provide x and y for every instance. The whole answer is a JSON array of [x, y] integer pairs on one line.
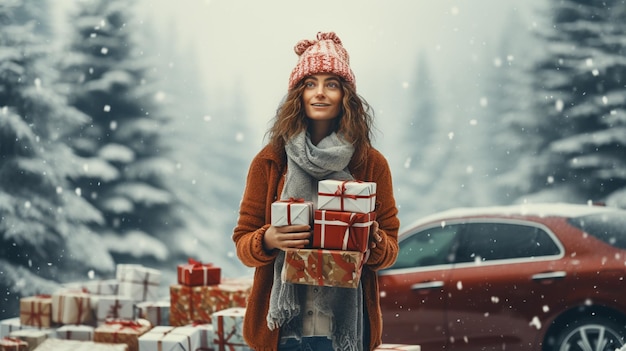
[[427, 285], [549, 275]]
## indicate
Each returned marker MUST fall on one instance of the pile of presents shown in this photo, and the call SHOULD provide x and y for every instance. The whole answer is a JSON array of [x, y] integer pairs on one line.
[[204, 311]]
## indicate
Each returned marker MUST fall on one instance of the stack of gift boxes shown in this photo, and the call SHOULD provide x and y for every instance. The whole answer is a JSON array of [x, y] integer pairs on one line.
[[125, 313], [341, 225]]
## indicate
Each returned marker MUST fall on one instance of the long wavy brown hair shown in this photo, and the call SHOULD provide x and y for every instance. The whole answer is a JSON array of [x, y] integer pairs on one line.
[[354, 123]]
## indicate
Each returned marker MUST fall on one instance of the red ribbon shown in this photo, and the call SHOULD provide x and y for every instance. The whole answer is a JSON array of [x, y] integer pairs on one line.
[[290, 201], [341, 193], [114, 310], [223, 341]]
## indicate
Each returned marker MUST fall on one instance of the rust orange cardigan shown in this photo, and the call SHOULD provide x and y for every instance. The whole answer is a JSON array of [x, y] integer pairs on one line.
[[263, 186]]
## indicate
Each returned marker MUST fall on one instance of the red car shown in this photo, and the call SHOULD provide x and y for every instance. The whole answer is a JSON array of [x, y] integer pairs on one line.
[[543, 277]]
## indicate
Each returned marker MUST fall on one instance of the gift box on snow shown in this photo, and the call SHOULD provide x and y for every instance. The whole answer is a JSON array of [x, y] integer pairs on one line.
[[138, 282], [291, 211], [71, 307], [164, 338], [36, 311], [122, 332], [113, 307], [348, 231], [196, 273], [228, 329], [157, 312], [398, 347], [79, 332], [75, 345], [323, 267], [7, 326], [32, 337], [346, 196], [10, 344]]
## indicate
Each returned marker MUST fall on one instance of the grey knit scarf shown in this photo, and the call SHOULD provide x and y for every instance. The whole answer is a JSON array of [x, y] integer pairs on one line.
[[306, 165]]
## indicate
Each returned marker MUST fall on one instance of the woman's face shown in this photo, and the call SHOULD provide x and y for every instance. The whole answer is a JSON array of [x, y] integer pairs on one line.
[[322, 97]]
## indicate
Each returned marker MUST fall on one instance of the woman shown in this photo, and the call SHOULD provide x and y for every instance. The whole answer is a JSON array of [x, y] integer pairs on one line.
[[322, 130]]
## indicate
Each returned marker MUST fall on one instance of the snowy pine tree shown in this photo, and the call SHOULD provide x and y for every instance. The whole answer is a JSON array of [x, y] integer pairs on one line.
[[510, 138], [110, 80], [580, 85], [45, 235]]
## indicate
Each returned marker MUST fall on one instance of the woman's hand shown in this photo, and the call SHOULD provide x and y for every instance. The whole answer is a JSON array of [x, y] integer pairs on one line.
[[287, 237], [375, 237]]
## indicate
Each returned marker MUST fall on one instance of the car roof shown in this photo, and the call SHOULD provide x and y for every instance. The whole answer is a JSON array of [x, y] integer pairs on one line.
[[531, 210]]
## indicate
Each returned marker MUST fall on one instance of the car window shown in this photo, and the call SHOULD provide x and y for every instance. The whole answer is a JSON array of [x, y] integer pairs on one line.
[[427, 247], [608, 227], [498, 241]]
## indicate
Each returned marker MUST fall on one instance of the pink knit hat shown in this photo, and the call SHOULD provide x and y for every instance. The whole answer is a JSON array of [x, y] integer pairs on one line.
[[324, 55]]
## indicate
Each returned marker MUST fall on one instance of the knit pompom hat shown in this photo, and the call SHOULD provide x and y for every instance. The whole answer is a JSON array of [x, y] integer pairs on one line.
[[324, 55]]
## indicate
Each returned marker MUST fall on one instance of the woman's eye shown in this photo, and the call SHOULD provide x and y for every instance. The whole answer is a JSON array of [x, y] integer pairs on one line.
[[333, 85], [309, 84]]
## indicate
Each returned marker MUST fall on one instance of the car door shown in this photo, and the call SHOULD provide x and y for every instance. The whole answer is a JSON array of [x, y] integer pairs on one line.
[[412, 294], [505, 278]]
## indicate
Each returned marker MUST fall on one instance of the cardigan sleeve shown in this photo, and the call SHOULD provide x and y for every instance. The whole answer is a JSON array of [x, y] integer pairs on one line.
[[386, 251], [252, 223]]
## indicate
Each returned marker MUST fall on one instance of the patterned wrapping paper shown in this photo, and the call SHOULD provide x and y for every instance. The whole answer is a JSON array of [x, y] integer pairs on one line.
[[71, 307], [323, 267], [398, 347], [13, 344], [196, 273], [96, 286], [348, 231], [228, 329], [196, 304], [36, 311], [75, 332], [157, 312], [180, 305], [32, 337], [239, 290], [113, 307], [75, 345], [170, 339], [139, 283], [291, 211], [346, 196], [122, 332]]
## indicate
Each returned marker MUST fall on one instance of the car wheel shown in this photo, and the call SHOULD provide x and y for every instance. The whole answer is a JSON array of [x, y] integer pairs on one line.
[[598, 334]]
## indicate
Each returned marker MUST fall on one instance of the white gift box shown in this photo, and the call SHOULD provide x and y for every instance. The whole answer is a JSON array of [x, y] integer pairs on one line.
[[12, 324], [157, 312], [75, 345], [75, 332], [71, 307], [346, 196], [291, 211], [170, 339], [96, 287], [228, 329], [140, 283], [121, 268], [398, 347], [113, 307]]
